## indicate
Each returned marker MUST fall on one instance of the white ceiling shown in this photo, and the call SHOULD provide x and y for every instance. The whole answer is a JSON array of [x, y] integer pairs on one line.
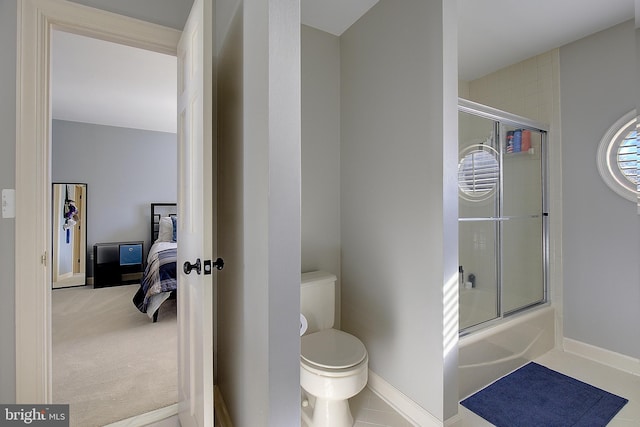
[[333, 16], [95, 81], [100, 82]]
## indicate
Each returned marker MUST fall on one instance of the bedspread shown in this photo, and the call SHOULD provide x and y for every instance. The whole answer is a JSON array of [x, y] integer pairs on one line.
[[158, 280]]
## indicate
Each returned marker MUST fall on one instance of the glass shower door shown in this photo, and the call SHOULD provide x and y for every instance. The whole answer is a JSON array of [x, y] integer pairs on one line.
[[478, 207], [522, 234], [502, 216]]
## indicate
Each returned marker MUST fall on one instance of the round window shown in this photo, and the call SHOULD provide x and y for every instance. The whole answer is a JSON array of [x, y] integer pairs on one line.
[[478, 172], [618, 157]]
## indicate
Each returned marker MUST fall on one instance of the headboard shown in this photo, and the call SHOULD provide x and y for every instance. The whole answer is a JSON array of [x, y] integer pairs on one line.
[[158, 210]]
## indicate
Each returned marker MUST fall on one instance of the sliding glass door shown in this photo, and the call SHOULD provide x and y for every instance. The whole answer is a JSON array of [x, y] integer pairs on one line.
[[522, 225], [502, 216]]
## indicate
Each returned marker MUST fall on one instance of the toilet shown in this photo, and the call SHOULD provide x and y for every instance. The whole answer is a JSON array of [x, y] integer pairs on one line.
[[333, 363]]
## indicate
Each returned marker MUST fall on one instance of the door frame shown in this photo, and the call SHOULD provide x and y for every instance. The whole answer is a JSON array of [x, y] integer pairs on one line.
[[36, 20]]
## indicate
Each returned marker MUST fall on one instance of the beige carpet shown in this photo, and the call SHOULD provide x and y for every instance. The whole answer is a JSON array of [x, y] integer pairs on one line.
[[110, 362]]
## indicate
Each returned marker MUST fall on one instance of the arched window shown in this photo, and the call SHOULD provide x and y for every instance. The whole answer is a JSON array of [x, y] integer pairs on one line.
[[618, 157]]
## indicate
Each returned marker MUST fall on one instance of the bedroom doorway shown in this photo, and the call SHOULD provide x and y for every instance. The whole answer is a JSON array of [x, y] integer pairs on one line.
[[33, 180], [105, 353]]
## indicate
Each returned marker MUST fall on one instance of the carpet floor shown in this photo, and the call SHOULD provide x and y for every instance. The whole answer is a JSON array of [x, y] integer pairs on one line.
[[110, 362]]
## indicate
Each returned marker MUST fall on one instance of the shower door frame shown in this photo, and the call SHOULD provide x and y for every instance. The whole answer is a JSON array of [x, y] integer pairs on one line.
[[501, 120]]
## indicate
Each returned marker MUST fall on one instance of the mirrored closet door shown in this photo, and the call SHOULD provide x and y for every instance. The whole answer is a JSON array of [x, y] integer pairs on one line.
[[69, 239]]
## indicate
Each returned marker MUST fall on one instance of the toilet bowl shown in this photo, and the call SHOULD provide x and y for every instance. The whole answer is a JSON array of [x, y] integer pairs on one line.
[[333, 363], [333, 368]]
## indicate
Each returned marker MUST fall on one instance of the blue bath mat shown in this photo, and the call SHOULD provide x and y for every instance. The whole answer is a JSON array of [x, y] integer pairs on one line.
[[535, 396]]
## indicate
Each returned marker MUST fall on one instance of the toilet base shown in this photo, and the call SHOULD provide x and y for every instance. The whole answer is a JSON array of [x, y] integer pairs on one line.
[[327, 413]]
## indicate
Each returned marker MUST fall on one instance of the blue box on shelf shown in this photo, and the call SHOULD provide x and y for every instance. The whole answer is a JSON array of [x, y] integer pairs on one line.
[[131, 254]]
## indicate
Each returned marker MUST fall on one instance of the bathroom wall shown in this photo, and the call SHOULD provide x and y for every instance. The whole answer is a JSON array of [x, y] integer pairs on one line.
[[321, 154], [525, 88], [600, 228], [231, 361], [463, 89], [398, 194], [259, 211], [7, 180]]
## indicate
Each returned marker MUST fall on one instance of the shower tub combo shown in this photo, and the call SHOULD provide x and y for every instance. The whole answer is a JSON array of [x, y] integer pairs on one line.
[[505, 316]]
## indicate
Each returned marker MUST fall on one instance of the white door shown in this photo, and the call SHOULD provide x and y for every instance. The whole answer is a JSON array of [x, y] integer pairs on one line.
[[196, 217]]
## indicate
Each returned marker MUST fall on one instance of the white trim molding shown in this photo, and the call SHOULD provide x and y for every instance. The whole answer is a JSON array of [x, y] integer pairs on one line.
[[406, 407], [36, 20], [603, 356], [149, 417]]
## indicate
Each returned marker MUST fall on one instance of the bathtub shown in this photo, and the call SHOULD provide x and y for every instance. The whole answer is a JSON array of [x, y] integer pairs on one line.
[[492, 352]]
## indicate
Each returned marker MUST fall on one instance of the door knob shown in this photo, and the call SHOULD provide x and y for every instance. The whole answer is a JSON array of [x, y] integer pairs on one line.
[[218, 264], [187, 267]]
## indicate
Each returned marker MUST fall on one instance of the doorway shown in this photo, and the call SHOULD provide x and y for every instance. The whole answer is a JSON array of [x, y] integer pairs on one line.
[[113, 124], [33, 170], [274, 134]]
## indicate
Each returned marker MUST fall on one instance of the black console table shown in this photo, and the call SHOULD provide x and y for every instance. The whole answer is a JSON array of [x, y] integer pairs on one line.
[[117, 263]]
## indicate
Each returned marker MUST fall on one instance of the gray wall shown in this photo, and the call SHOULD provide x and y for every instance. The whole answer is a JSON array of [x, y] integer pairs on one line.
[[168, 12], [321, 153], [125, 171], [600, 244], [232, 350], [259, 211], [7, 180], [398, 165]]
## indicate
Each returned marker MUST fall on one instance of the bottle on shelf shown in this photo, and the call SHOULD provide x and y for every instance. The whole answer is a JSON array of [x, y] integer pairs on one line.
[[517, 140], [526, 140], [509, 142]]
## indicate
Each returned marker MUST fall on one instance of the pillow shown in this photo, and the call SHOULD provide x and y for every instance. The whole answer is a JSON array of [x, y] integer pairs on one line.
[[174, 221], [165, 230]]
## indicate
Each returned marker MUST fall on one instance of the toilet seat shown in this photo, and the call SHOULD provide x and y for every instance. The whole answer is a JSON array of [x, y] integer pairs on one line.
[[332, 349]]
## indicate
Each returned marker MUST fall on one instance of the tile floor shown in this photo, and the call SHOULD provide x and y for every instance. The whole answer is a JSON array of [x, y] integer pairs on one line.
[[612, 380], [369, 410]]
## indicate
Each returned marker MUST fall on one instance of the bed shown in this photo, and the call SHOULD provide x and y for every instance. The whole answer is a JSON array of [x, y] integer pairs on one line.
[[159, 280]]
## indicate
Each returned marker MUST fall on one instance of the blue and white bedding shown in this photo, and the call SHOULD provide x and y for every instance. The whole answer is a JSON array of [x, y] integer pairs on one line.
[[159, 278]]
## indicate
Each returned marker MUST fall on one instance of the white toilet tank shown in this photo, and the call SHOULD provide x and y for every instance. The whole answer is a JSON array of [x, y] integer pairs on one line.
[[317, 299]]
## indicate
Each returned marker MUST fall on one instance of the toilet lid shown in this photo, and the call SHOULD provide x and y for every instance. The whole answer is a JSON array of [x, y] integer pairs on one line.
[[333, 349]]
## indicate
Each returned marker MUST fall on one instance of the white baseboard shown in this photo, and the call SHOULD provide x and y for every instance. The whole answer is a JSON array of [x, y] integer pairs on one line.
[[148, 418], [402, 403], [601, 355]]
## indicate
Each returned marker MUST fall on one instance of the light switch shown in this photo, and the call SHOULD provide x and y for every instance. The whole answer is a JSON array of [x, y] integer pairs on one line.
[[8, 203]]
